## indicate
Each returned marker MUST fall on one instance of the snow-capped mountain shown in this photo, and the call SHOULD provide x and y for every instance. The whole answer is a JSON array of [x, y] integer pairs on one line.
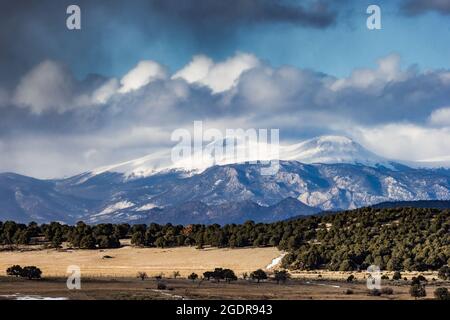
[[323, 149], [333, 149], [325, 173]]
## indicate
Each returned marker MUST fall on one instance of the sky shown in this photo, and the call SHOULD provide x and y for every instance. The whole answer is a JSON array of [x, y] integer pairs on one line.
[[75, 100]]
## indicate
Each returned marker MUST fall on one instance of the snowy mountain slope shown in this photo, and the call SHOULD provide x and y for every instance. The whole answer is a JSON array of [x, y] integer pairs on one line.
[[230, 192], [324, 149], [230, 212], [26, 199], [109, 197], [333, 149]]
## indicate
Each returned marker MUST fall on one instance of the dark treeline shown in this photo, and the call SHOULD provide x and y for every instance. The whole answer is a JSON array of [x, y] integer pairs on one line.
[[394, 239]]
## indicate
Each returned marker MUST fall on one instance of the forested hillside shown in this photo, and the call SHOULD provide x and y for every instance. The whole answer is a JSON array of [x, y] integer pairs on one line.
[[394, 239]]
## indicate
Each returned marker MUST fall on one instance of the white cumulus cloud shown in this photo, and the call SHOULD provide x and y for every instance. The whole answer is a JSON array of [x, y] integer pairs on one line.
[[105, 91], [388, 69], [141, 75], [219, 77], [196, 71], [406, 141], [440, 117]]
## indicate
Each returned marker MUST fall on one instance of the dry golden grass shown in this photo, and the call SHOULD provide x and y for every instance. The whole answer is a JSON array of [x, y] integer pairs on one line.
[[127, 261], [133, 288], [115, 278]]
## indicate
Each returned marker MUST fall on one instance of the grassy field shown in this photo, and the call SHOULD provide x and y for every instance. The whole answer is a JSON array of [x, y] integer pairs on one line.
[[127, 261], [111, 274], [135, 289]]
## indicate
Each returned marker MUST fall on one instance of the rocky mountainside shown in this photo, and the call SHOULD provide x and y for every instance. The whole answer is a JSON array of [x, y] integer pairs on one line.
[[226, 193]]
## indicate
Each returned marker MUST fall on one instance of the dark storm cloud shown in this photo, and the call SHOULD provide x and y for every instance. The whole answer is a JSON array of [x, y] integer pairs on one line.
[[34, 30], [230, 13], [416, 7]]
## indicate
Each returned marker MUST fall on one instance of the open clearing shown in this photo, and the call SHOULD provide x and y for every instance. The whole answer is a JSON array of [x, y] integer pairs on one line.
[[136, 289], [127, 261], [111, 274]]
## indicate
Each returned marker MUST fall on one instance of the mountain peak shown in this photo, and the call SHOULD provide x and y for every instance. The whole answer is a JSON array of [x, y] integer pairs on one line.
[[334, 139], [329, 149], [333, 149]]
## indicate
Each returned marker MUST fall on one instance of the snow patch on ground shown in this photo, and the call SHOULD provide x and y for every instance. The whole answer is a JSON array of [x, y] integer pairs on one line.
[[115, 207], [275, 262], [323, 284], [146, 207], [19, 296]]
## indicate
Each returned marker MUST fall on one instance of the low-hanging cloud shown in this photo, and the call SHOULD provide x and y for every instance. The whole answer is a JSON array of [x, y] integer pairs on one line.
[[55, 124], [136, 26], [46, 87], [440, 117]]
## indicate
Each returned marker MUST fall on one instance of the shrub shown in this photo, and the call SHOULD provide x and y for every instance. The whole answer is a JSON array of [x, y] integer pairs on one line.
[[374, 292], [219, 274], [142, 275], [387, 290], [441, 294], [159, 276], [193, 276], [258, 275], [417, 291], [281, 276], [422, 278], [384, 277], [444, 273], [229, 275], [31, 272], [397, 275], [418, 280], [15, 271], [208, 275], [161, 286]]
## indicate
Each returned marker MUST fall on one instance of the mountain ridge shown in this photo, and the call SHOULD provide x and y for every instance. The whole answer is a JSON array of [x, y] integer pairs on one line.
[[329, 149], [322, 186], [359, 178]]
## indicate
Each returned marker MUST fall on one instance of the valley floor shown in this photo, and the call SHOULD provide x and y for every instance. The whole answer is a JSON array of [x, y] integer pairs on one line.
[[136, 289], [127, 261], [111, 274]]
